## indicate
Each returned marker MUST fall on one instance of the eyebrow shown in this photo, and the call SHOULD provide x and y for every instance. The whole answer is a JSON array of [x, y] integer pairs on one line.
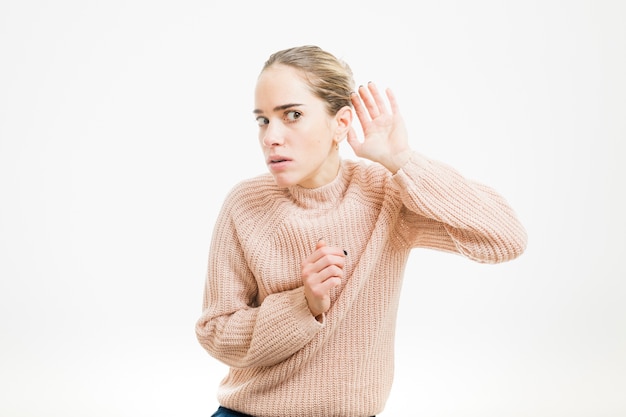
[[279, 108]]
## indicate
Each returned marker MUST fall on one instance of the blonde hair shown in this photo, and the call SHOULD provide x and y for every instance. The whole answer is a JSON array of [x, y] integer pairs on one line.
[[329, 78]]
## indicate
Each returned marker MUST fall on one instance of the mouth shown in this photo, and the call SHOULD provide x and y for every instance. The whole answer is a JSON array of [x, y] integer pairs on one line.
[[277, 159], [278, 163]]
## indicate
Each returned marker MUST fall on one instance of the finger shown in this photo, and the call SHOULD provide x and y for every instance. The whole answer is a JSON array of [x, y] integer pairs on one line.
[[316, 254], [316, 281], [395, 108], [359, 109], [369, 101], [323, 257], [322, 249], [330, 263], [329, 284], [378, 98], [353, 141], [332, 274]]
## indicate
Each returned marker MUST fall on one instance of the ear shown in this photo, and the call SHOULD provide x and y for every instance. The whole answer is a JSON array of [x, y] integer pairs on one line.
[[343, 120]]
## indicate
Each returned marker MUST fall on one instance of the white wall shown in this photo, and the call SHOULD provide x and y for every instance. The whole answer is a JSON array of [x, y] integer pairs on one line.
[[124, 123]]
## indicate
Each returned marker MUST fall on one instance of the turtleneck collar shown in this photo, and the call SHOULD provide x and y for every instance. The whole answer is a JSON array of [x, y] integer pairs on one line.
[[326, 196]]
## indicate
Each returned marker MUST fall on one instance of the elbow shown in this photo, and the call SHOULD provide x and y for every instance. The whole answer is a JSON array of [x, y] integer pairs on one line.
[[514, 249], [494, 247], [509, 245], [234, 352], [208, 336], [518, 241], [211, 344]]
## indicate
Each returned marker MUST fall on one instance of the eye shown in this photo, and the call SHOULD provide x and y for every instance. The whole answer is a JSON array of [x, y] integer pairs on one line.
[[292, 115], [262, 121]]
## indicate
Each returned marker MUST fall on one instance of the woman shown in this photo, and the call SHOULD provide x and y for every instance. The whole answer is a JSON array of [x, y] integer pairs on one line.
[[306, 262]]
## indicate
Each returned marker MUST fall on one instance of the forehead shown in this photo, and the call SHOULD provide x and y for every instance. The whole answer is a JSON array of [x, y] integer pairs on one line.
[[281, 84]]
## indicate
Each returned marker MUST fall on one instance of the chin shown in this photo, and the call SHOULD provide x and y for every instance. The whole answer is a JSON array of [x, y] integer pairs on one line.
[[282, 181]]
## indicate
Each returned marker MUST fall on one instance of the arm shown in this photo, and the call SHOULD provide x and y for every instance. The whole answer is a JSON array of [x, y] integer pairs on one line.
[[234, 327], [475, 219], [445, 210]]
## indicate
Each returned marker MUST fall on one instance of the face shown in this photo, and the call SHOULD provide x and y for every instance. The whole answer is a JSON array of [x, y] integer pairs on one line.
[[297, 135]]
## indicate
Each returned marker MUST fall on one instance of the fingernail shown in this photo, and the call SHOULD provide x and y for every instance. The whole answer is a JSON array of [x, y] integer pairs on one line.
[[345, 253]]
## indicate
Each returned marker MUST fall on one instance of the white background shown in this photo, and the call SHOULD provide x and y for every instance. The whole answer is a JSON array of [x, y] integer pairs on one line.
[[124, 123]]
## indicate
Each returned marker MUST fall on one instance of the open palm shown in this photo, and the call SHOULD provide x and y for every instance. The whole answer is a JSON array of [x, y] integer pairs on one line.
[[385, 139]]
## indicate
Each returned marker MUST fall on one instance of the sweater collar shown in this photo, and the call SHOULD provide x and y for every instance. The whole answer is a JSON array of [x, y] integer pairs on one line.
[[326, 196]]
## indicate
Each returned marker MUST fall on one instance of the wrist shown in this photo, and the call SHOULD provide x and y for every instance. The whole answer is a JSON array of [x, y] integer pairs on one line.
[[398, 160]]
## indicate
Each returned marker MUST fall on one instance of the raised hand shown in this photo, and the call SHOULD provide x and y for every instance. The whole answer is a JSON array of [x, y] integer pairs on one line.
[[385, 139]]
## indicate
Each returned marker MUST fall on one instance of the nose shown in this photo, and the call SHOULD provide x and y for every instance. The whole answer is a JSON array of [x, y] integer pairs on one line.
[[272, 135]]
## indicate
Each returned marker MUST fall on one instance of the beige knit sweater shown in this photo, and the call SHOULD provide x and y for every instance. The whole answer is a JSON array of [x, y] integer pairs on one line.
[[283, 362]]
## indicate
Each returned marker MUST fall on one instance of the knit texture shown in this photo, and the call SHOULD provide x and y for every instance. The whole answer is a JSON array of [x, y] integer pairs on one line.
[[255, 318]]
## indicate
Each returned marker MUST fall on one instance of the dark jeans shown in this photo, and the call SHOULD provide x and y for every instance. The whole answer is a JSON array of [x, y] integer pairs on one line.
[[227, 412]]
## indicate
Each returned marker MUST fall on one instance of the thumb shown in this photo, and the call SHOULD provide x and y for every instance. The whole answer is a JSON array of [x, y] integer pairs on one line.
[[353, 141], [320, 244]]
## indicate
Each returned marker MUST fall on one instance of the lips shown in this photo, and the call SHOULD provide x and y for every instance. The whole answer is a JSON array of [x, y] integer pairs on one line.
[[275, 159], [278, 164]]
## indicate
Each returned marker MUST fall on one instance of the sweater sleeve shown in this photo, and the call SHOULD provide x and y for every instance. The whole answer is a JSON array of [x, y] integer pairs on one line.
[[234, 326], [449, 212]]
